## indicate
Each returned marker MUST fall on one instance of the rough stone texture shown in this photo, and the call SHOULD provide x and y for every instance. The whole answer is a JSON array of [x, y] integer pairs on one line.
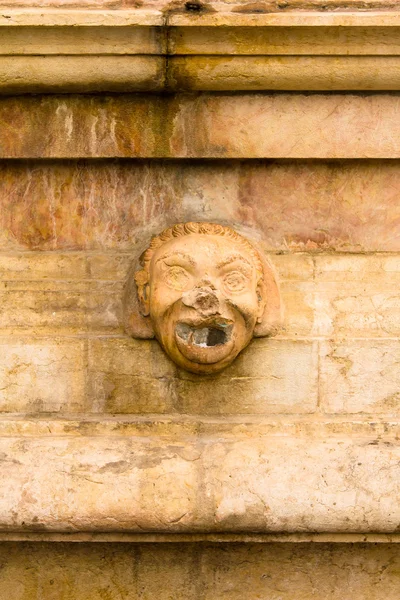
[[345, 206], [348, 387], [238, 481], [201, 126], [102, 435], [199, 571], [128, 376], [45, 375], [81, 74]]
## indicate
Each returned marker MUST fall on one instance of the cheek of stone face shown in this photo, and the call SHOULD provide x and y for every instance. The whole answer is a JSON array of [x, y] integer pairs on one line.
[[247, 306]]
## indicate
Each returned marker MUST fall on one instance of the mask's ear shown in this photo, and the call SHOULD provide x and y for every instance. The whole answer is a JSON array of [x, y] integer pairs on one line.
[[270, 321], [136, 305]]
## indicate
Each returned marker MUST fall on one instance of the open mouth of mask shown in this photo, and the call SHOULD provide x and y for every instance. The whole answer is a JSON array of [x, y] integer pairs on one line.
[[204, 337]]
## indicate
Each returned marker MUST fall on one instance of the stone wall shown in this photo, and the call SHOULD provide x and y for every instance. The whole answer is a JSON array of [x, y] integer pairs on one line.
[[259, 474], [198, 571]]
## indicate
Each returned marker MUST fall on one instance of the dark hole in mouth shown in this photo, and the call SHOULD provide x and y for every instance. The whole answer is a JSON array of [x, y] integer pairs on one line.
[[215, 337], [204, 337]]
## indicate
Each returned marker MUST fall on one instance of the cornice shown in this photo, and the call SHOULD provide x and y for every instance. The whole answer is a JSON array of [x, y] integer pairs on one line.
[[147, 50]]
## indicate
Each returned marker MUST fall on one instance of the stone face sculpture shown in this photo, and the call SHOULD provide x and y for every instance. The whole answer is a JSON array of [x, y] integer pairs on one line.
[[203, 291]]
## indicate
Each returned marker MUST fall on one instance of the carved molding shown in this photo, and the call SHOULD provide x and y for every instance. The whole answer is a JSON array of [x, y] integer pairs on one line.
[[148, 50]]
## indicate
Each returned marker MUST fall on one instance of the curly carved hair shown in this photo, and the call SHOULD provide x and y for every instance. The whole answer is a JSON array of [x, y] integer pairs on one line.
[[182, 229]]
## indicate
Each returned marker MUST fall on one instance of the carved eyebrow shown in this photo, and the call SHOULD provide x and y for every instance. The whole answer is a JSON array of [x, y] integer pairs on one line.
[[178, 254], [233, 258]]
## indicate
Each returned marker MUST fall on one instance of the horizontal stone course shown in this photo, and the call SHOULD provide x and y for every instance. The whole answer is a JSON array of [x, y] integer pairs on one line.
[[312, 309], [81, 74], [53, 302], [200, 571], [78, 293], [209, 126], [199, 484], [284, 73], [282, 206], [264, 40], [124, 376]]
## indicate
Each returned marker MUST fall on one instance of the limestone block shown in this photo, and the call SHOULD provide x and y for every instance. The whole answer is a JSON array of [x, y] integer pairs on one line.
[[129, 376], [368, 311], [360, 376], [134, 376], [215, 483], [347, 296], [42, 308], [323, 485], [105, 308], [162, 573], [270, 376], [118, 483], [42, 375], [109, 267], [381, 269], [341, 310]]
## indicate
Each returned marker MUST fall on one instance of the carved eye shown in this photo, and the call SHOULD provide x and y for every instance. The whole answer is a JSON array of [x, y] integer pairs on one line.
[[176, 277], [235, 281]]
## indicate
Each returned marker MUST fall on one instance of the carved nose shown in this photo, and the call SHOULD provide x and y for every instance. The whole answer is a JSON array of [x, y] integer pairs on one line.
[[203, 299]]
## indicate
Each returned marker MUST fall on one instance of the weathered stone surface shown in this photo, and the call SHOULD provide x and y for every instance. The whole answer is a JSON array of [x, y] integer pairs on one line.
[[300, 572], [291, 40], [128, 376], [80, 40], [348, 296], [285, 73], [201, 126], [211, 483], [360, 376], [43, 308], [335, 297], [64, 53], [39, 266], [199, 571], [70, 74], [42, 375], [280, 206], [285, 126]]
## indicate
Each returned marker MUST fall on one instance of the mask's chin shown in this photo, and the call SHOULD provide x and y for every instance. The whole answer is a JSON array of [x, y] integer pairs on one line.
[[204, 343]]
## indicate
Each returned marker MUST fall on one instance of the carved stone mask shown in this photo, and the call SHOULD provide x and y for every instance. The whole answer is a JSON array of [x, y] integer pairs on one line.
[[204, 291]]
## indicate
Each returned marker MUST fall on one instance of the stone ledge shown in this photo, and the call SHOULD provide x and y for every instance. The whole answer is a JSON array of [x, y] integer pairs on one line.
[[198, 484], [80, 51]]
